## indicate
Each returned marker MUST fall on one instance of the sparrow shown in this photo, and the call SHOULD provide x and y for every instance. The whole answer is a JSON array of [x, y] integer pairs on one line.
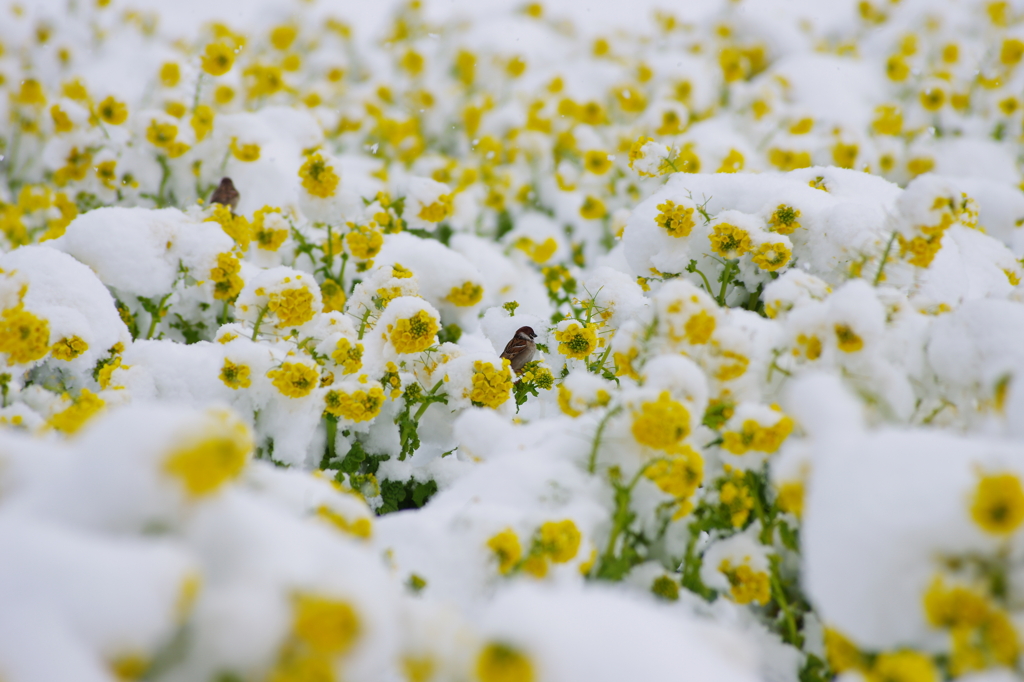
[[520, 349], [226, 194]]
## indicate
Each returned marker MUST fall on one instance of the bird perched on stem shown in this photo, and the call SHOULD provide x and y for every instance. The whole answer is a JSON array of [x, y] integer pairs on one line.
[[521, 349], [226, 194]]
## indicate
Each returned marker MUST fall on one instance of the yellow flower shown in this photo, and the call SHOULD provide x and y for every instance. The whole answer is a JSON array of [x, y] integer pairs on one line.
[[414, 334], [560, 540], [364, 241], [361, 528], [502, 663], [468, 294], [161, 134], [333, 296], [294, 379], [593, 208], [235, 226], [61, 121], [24, 337], [263, 80], [771, 256], [235, 376], [735, 494], [112, 111], [842, 654], [998, 505], [746, 584], [791, 498], [753, 436], [505, 546], [227, 283], [700, 327], [218, 59], [73, 417], [847, 339], [69, 348], [576, 341], [357, 406], [212, 457], [170, 74], [954, 607], [680, 475], [31, 93], [245, 152], [437, 211], [597, 162], [675, 219], [348, 355], [202, 121], [784, 220], [729, 241], [661, 424], [106, 172], [318, 178], [491, 386], [1011, 52], [292, 307], [223, 94], [328, 626], [888, 120], [903, 666]]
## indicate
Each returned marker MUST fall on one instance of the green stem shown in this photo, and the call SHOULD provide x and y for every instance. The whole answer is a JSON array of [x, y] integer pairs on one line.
[[341, 274], [332, 432], [155, 317], [885, 257], [707, 284], [259, 321], [424, 406], [195, 97], [592, 462], [726, 278], [362, 323], [780, 599]]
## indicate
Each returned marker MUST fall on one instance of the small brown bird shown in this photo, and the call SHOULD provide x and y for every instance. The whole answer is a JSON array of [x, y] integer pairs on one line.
[[226, 194], [520, 349]]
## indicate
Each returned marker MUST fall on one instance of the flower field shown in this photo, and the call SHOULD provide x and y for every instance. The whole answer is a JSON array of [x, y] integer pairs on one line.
[[258, 423]]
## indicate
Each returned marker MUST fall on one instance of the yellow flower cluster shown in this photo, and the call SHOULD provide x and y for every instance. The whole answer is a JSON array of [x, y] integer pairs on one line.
[[323, 628], [437, 211], [348, 355], [771, 256], [729, 241], [292, 307], [675, 219], [294, 379], [212, 457], [745, 584], [235, 376], [491, 386], [469, 294], [753, 436], [784, 220], [499, 662], [357, 406], [578, 341], [981, 634], [268, 239], [678, 475], [24, 337], [69, 348], [82, 409], [662, 424], [235, 226], [318, 177], [735, 494], [364, 241], [333, 296], [998, 505], [414, 334], [226, 282]]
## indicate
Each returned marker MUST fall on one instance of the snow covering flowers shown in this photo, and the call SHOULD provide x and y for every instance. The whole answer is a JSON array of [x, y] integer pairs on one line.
[[771, 259]]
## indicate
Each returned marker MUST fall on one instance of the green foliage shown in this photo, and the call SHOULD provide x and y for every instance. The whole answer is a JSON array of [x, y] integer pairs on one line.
[[399, 495]]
